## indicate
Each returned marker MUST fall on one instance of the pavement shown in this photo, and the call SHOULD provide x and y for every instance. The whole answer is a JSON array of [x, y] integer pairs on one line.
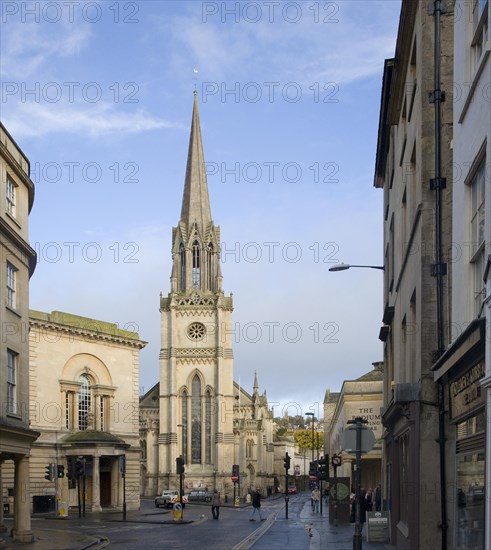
[[304, 530]]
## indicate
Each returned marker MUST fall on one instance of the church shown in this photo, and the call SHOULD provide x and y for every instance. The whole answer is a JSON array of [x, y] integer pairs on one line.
[[197, 411]]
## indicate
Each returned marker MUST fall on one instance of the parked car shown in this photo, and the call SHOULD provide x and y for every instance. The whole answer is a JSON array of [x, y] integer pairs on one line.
[[199, 495], [168, 498], [292, 490]]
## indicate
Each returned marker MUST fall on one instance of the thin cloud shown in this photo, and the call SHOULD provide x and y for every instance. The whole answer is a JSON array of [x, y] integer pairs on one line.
[[35, 120]]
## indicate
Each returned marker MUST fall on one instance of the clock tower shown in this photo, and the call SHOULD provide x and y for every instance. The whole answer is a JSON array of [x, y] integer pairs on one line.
[[196, 359]]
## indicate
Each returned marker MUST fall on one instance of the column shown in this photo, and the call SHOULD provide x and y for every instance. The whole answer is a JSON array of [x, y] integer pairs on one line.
[[97, 412], [22, 505], [3, 527], [96, 485]]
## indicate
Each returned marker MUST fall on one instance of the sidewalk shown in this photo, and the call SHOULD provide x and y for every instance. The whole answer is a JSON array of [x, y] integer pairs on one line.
[[52, 533]]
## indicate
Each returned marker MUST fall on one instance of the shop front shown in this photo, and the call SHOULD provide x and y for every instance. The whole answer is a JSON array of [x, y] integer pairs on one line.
[[461, 370]]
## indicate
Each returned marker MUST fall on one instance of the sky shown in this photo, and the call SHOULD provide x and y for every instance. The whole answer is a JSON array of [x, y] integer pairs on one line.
[[99, 95]]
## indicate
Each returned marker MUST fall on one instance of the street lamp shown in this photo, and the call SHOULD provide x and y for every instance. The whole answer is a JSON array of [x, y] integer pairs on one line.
[[358, 422], [343, 267], [312, 415]]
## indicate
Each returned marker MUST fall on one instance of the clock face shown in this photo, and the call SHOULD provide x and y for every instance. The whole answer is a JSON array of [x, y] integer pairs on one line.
[[342, 491]]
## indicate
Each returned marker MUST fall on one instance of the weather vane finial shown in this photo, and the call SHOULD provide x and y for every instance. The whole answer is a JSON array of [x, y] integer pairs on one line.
[[195, 78]]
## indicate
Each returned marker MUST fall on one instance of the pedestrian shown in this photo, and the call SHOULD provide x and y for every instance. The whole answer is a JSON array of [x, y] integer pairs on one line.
[[378, 498], [256, 505], [316, 497], [369, 500], [216, 501]]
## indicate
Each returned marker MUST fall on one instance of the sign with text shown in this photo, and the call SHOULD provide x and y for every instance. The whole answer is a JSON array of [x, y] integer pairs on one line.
[[466, 393], [378, 526]]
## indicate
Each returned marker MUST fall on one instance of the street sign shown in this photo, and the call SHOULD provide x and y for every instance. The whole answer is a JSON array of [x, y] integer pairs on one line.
[[349, 439]]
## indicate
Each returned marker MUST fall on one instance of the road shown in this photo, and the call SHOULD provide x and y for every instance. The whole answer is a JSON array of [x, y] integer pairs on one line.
[[153, 528]]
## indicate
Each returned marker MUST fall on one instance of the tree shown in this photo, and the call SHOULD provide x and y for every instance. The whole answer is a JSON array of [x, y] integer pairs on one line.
[[303, 438]]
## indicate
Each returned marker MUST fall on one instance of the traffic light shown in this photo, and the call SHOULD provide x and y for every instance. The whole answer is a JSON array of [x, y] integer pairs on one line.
[[122, 464], [72, 470], [313, 470], [287, 461], [60, 471], [235, 472], [80, 467], [322, 473], [50, 472], [179, 465]]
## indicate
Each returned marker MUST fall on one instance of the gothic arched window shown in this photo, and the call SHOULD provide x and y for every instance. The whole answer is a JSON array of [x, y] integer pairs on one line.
[[182, 254], [196, 265], [208, 428], [84, 402], [196, 421], [184, 414], [210, 267]]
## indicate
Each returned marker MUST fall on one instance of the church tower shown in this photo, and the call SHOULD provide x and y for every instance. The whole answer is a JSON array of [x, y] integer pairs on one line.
[[196, 359]]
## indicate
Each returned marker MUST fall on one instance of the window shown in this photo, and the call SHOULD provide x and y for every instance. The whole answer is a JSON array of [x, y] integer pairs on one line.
[[12, 381], [210, 267], [477, 186], [84, 401], [208, 428], [184, 412], [10, 196], [196, 265], [196, 421], [182, 254], [11, 285], [196, 331], [479, 19], [102, 413]]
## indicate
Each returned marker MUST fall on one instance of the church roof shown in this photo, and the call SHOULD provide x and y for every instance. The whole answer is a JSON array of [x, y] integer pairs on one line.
[[195, 200]]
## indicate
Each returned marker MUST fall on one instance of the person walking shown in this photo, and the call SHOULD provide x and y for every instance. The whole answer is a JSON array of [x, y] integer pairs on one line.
[[216, 501], [316, 497], [256, 505]]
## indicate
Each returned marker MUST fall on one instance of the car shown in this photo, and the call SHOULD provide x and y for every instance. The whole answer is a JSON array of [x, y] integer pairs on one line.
[[199, 495], [292, 490], [168, 498]]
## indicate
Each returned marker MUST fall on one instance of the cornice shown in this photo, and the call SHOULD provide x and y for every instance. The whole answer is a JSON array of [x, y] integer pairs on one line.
[[90, 334]]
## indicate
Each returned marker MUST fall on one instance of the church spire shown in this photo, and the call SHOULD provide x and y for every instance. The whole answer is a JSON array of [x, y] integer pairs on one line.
[[256, 384], [195, 200], [195, 240]]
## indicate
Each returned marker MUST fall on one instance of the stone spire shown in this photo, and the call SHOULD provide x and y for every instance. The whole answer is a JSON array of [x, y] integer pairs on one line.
[[256, 384], [195, 200]]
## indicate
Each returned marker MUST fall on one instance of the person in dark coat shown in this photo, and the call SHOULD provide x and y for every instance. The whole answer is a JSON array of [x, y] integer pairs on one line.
[[216, 501], [256, 505]]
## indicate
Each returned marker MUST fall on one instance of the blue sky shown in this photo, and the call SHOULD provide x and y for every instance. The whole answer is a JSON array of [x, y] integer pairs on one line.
[[99, 96]]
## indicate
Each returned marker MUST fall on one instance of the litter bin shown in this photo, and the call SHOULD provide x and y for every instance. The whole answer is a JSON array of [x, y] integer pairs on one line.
[[43, 503]]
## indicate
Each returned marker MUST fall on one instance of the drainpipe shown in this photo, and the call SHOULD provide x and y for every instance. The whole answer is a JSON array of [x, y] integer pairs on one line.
[[439, 268]]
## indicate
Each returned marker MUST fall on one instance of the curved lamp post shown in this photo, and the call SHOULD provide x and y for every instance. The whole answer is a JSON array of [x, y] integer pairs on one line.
[[312, 418], [343, 267]]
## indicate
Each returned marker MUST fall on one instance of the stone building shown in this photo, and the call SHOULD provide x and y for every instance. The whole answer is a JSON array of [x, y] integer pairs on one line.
[[83, 383], [202, 415], [464, 370], [361, 397], [18, 261], [414, 169]]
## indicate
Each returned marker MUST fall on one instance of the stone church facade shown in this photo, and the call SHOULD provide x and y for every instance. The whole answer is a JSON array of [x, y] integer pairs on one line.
[[197, 411]]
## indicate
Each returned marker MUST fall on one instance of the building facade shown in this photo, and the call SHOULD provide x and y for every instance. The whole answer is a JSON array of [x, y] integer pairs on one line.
[[202, 415], [362, 397], [84, 403], [18, 261], [414, 169], [464, 369]]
